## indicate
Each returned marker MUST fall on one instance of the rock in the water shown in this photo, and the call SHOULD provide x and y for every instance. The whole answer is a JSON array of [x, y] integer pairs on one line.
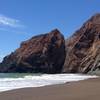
[[83, 48], [44, 53]]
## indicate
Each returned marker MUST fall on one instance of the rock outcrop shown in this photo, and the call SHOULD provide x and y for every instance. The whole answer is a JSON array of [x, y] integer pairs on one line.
[[46, 53], [43, 53], [83, 48]]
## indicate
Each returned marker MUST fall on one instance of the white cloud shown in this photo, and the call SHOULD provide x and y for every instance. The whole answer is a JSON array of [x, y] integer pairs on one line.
[[1, 57], [9, 21]]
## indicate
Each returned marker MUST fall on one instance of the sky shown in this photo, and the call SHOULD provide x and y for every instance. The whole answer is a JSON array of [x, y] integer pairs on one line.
[[22, 19]]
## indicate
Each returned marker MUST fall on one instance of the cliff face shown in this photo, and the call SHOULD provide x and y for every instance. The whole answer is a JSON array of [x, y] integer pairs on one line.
[[47, 53], [44, 53], [83, 48]]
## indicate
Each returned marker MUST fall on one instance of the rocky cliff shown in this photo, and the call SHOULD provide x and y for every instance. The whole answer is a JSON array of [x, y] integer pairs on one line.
[[83, 48], [47, 53], [43, 53]]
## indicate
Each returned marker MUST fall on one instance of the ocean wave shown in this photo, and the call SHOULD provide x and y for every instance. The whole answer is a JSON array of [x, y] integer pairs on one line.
[[39, 80]]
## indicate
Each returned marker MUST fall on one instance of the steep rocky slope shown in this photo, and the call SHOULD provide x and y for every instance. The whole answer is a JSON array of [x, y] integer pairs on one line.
[[46, 53], [83, 48], [43, 53]]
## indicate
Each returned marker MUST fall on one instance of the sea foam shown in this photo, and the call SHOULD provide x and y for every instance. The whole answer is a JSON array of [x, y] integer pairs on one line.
[[10, 83]]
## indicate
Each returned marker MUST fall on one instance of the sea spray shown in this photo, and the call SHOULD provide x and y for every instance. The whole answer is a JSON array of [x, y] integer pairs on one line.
[[16, 81]]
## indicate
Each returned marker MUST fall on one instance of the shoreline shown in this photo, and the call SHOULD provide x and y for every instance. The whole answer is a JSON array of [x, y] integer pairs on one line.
[[88, 89]]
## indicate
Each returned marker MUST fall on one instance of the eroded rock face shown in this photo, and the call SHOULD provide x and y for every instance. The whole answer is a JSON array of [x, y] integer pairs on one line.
[[46, 53], [83, 48], [43, 53]]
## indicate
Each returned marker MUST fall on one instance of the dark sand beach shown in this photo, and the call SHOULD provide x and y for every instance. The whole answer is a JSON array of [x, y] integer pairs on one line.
[[82, 90]]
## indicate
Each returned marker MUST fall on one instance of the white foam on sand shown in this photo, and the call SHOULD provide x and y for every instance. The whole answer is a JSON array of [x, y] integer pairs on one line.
[[38, 81]]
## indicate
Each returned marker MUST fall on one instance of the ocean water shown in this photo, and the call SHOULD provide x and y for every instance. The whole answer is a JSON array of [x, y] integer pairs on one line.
[[10, 81]]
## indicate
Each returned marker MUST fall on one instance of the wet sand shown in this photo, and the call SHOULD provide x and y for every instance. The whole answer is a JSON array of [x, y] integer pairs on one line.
[[81, 90]]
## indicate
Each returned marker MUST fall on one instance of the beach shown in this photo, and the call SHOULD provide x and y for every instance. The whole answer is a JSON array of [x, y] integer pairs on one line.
[[82, 90]]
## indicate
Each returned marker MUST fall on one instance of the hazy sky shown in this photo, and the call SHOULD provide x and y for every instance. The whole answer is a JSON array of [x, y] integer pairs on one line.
[[22, 19]]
